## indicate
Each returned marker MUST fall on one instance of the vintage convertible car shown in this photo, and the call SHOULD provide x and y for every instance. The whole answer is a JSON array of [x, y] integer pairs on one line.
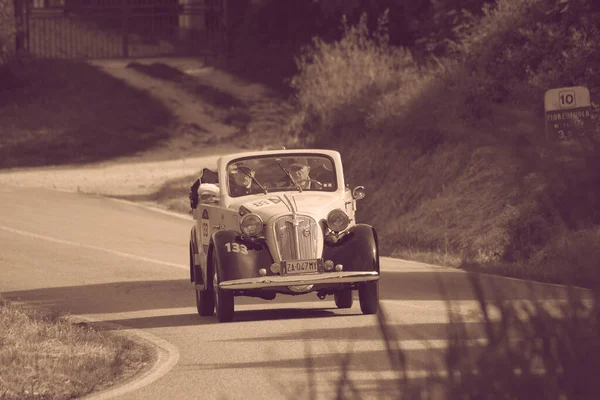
[[280, 222]]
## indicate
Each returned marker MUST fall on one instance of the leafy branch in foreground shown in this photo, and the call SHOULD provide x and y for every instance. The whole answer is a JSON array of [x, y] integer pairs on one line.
[[529, 349]]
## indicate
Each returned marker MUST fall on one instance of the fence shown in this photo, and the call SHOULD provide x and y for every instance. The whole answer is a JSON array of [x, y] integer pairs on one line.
[[120, 28]]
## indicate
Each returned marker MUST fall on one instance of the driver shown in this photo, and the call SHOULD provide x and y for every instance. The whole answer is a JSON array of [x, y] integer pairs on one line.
[[300, 171], [241, 182]]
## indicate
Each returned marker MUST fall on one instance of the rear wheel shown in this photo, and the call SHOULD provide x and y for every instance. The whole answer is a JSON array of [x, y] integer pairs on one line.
[[223, 298], [343, 298], [368, 295], [205, 299], [205, 302]]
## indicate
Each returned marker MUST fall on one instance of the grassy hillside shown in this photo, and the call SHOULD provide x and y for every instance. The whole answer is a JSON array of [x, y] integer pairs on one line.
[[454, 153], [57, 112]]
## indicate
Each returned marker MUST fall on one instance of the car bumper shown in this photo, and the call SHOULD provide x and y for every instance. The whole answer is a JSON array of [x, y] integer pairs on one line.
[[263, 282]]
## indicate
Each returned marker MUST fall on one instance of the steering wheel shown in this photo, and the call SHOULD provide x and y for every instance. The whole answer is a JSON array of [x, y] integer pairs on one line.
[[319, 184]]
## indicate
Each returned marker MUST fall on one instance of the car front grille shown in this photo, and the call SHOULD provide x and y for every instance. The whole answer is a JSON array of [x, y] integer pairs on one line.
[[297, 239]]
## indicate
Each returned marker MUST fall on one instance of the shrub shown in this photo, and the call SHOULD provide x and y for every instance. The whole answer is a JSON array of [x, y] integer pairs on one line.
[[338, 81], [520, 48]]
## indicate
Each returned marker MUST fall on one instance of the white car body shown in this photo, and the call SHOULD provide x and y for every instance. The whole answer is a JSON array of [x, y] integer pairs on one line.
[[295, 230]]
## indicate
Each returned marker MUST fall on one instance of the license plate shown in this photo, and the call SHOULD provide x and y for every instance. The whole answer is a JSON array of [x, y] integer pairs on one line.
[[301, 267]]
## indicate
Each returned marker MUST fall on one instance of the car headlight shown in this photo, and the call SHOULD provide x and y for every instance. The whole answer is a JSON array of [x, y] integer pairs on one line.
[[337, 220], [251, 225]]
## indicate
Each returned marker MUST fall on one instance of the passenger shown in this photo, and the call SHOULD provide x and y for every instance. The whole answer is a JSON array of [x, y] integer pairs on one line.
[[241, 180], [206, 176]]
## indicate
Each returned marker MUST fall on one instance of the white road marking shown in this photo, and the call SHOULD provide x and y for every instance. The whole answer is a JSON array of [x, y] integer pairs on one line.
[[88, 246], [178, 215]]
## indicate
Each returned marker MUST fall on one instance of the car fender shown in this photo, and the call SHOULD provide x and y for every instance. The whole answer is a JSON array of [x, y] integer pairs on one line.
[[239, 258], [356, 250]]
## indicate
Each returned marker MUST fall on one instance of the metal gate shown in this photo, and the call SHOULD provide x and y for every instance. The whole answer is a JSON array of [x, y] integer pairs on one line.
[[89, 29]]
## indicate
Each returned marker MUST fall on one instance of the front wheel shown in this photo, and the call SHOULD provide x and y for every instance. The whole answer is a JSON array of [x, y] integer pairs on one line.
[[223, 298], [343, 298], [368, 295]]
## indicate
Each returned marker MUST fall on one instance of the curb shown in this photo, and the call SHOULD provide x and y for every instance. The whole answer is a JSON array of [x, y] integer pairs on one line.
[[167, 356]]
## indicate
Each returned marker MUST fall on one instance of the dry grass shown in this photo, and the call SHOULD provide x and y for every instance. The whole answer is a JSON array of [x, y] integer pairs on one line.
[[43, 355]]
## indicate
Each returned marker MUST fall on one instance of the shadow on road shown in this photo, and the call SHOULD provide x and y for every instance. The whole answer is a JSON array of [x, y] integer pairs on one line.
[[160, 303], [401, 331], [209, 94], [67, 112], [225, 107], [448, 284]]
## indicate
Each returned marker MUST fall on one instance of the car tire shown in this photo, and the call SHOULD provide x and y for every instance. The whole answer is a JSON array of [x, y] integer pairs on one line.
[[205, 302], [224, 301], [205, 299], [343, 298], [368, 295]]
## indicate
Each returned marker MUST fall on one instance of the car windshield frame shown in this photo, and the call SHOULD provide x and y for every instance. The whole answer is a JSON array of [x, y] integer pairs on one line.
[[272, 176]]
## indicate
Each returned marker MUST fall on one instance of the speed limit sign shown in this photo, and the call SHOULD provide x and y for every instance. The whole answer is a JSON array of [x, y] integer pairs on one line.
[[568, 111]]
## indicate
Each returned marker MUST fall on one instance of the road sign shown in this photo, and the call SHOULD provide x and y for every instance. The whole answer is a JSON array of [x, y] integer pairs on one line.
[[568, 112]]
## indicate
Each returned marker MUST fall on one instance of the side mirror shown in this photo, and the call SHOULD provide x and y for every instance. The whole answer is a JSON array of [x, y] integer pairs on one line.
[[359, 192]]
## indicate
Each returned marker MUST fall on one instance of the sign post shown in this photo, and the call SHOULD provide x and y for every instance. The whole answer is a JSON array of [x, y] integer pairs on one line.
[[568, 112]]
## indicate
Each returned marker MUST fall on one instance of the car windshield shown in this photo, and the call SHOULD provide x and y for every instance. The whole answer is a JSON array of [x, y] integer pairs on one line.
[[273, 173]]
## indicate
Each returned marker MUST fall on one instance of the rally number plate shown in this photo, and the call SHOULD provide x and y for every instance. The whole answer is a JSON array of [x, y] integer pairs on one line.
[[297, 267]]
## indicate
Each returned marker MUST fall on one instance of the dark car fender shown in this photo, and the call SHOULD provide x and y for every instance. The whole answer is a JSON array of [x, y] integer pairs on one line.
[[239, 258], [356, 250]]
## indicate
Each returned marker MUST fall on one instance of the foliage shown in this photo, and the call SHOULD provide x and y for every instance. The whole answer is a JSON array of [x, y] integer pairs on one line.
[[267, 35], [462, 167], [533, 349], [520, 48], [335, 78]]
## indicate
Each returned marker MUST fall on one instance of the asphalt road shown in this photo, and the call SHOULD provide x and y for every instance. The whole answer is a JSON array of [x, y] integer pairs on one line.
[[119, 263]]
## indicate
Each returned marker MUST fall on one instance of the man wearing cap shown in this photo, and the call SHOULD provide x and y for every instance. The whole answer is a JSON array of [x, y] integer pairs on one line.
[[241, 180], [300, 171]]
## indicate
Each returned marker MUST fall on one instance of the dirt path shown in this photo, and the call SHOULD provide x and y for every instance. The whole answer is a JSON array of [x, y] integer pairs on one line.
[[216, 112]]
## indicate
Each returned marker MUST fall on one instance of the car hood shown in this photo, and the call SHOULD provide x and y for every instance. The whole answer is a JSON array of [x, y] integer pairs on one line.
[[316, 204]]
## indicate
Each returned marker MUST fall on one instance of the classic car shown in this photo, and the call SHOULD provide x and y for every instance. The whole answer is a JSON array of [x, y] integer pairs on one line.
[[280, 222]]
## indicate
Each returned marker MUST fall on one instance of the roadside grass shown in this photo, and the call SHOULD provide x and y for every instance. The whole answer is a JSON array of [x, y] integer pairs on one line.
[[43, 355], [60, 112]]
